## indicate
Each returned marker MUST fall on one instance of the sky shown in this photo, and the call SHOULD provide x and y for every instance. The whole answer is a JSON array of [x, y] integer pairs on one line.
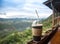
[[23, 9]]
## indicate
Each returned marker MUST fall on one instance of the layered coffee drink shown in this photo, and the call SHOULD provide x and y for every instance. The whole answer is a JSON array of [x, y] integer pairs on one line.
[[36, 30]]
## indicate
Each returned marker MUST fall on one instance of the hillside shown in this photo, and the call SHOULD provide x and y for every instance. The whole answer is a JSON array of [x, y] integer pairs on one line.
[[20, 33], [15, 24], [47, 22]]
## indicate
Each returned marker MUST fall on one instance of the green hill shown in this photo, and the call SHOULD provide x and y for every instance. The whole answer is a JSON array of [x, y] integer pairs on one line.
[[21, 37]]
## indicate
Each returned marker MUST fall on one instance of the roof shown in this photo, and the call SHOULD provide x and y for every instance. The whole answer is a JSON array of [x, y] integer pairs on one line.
[[56, 4], [48, 3]]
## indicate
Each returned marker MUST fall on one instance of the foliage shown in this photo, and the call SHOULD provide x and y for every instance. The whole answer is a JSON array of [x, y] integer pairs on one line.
[[17, 37]]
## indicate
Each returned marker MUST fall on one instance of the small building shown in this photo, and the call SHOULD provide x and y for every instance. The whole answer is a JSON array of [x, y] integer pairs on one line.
[[55, 6]]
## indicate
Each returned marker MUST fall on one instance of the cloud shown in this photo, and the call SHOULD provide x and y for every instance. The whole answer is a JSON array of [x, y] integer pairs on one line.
[[18, 14], [25, 8], [21, 14], [32, 1], [3, 16]]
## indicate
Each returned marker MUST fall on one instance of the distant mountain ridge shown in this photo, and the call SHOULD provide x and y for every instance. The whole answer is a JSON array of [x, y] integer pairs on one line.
[[17, 23], [20, 18]]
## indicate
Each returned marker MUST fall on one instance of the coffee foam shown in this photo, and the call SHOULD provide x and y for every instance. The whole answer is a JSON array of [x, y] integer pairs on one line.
[[36, 23]]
